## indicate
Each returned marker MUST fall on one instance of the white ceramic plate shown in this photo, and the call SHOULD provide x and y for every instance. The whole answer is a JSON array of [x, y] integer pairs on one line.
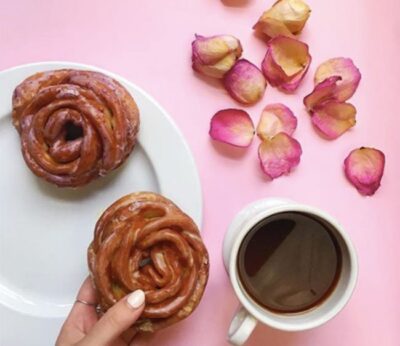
[[45, 230]]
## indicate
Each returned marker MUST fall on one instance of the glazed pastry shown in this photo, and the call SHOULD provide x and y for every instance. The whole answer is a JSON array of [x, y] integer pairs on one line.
[[74, 125], [144, 241]]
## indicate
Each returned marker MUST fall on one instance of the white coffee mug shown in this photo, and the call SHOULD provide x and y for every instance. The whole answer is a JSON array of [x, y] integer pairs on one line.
[[249, 312]]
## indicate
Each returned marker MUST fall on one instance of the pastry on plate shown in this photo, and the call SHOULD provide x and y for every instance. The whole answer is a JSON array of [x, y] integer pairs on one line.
[[144, 241], [74, 125]]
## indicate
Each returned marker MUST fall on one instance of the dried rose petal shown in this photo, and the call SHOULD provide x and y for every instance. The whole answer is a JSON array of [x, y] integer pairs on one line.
[[279, 155], [271, 27], [286, 62], [232, 126], [285, 17], [349, 74], [210, 50], [276, 118], [322, 92], [364, 169], [214, 56], [217, 70], [334, 118], [336, 81], [245, 82]]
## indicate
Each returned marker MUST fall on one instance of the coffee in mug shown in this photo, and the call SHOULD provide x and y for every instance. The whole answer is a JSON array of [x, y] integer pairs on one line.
[[289, 262], [292, 267]]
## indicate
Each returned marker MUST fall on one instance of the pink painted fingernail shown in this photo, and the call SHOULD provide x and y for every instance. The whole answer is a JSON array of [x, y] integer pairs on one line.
[[136, 299]]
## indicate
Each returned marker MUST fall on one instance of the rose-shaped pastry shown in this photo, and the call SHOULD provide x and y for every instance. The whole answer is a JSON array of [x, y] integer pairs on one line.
[[144, 241], [74, 125]]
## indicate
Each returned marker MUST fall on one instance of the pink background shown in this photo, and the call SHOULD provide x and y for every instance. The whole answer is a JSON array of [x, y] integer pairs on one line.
[[148, 42]]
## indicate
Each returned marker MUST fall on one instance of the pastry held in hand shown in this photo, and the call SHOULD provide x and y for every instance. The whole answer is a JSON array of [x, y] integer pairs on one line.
[[74, 125], [144, 241]]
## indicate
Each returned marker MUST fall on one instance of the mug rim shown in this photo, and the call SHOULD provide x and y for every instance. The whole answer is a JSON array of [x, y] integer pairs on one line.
[[267, 316]]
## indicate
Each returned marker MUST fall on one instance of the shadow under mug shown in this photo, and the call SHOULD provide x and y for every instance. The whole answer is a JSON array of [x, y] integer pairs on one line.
[[249, 312]]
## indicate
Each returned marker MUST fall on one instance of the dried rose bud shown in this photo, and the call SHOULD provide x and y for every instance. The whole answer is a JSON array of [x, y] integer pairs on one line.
[[232, 126], [245, 82], [279, 155], [285, 17], [214, 56], [276, 118], [286, 62], [364, 169]]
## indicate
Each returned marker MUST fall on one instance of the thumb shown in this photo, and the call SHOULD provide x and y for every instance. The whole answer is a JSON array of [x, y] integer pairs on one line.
[[116, 320]]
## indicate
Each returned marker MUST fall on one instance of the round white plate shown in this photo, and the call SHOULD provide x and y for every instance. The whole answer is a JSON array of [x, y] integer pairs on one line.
[[45, 230]]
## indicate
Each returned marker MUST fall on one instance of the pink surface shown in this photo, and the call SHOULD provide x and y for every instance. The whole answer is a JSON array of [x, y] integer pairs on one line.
[[148, 42]]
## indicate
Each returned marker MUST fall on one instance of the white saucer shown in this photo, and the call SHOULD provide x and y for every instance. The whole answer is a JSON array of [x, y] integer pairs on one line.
[[45, 230]]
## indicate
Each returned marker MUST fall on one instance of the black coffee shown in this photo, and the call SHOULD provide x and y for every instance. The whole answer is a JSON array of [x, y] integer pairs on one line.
[[289, 262]]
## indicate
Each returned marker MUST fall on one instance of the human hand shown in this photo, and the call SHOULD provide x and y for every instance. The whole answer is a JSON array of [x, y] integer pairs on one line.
[[84, 328]]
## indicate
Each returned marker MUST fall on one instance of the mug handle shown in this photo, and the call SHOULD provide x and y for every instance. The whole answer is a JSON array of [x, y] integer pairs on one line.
[[242, 325]]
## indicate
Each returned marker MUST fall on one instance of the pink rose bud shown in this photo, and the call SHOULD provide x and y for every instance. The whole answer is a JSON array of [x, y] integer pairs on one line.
[[245, 82], [285, 18], [286, 62], [364, 169], [214, 56]]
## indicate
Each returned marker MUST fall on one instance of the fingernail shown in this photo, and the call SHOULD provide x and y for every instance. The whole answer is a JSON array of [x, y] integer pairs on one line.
[[136, 299]]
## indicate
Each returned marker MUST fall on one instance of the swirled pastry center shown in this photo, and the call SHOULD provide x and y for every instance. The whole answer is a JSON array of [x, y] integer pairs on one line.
[[74, 125]]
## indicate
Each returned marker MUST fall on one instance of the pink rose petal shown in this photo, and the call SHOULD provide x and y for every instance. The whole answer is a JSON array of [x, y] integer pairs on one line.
[[245, 82], [334, 118], [364, 169], [214, 56], [276, 118], [285, 17], [217, 70], [232, 126], [322, 92], [279, 155], [349, 74], [336, 81], [286, 62]]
